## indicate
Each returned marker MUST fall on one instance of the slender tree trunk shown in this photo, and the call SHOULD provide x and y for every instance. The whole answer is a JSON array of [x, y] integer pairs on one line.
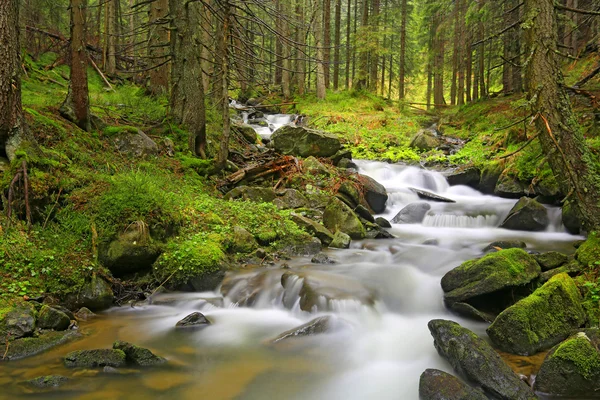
[[460, 94], [158, 38], [278, 50], [223, 53], [572, 162], [206, 54], [438, 63], [374, 54], [76, 106], [361, 79], [111, 48], [327, 40], [383, 59], [481, 60], [354, 46], [318, 31], [455, 52], [336, 51], [286, 84], [348, 53], [11, 112], [402, 70], [301, 39]]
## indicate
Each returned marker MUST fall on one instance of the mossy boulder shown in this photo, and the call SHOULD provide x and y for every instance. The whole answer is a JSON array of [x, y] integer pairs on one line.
[[571, 218], [138, 356], [424, 140], [134, 143], [17, 320], [588, 252], [340, 241], [95, 294], [439, 385], [133, 251], [503, 245], [252, 193], [339, 217], [509, 187], [314, 228], [540, 320], [475, 360], [30, 346], [95, 358], [490, 175], [50, 318], [551, 260], [351, 193], [242, 241], [247, 132], [290, 199], [527, 215], [570, 369], [413, 213], [495, 272], [314, 167], [303, 142], [48, 381]]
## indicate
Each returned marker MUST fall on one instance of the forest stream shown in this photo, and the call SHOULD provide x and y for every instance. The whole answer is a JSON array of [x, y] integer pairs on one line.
[[382, 294]]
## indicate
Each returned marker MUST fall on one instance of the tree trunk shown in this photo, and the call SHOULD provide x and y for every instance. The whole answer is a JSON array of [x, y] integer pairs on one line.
[[336, 50], [460, 94], [481, 61], [158, 38], [223, 57], [326, 40], [354, 46], [362, 75], [278, 51], [348, 53], [374, 54], [76, 106], [402, 70], [111, 49], [11, 112], [573, 164], [321, 92], [286, 53], [438, 62], [300, 39], [455, 51]]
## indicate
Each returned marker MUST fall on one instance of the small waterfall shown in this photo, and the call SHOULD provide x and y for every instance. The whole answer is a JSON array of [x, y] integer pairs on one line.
[[460, 221]]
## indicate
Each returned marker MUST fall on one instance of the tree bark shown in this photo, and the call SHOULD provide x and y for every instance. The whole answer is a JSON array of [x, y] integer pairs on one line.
[[348, 47], [327, 40], [11, 112], [337, 40], [300, 39], [438, 62], [158, 38], [362, 73], [111, 48], [318, 31], [76, 106], [402, 61], [573, 164], [223, 56], [374, 53]]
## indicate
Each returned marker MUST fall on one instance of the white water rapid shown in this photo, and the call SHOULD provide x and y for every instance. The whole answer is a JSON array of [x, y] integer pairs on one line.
[[382, 293]]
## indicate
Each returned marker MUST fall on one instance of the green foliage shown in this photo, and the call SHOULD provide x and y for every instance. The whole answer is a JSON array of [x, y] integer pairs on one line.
[[116, 130]]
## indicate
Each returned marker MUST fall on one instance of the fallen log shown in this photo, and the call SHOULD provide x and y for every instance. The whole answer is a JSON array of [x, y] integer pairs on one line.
[[282, 166]]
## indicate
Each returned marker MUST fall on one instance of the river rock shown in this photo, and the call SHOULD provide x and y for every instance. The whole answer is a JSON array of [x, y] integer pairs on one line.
[[246, 131], [365, 214], [504, 244], [509, 187], [489, 177], [84, 314], [339, 217], [541, 320], [135, 143], [50, 318], [319, 290], [95, 358], [291, 198], [139, 356], [469, 176], [311, 328], [347, 163], [425, 140], [48, 381], [551, 260], [424, 194], [303, 142], [30, 346], [527, 215], [571, 369], [414, 213], [322, 259], [351, 192], [477, 362], [95, 294], [304, 248], [342, 154], [252, 193], [375, 194], [314, 167], [340, 241], [133, 251], [194, 320], [18, 322], [242, 241], [314, 228], [439, 385], [494, 276]]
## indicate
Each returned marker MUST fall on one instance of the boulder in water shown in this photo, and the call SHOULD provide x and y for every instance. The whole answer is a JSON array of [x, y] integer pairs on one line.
[[339, 217], [527, 215], [316, 326], [95, 358], [340, 241], [247, 132], [414, 213], [84, 314], [425, 140], [425, 195], [50, 318], [138, 356], [194, 320], [314, 228], [322, 259], [375, 194], [95, 294], [509, 187], [303, 142], [133, 251], [18, 322], [570, 218], [541, 320], [382, 222], [551, 260], [48, 381], [439, 385], [469, 176], [347, 163], [490, 283], [571, 369], [477, 362], [30, 346], [342, 154], [503, 245]]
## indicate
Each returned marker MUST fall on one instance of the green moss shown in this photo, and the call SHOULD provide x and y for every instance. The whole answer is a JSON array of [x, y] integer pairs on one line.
[[581, 352], [589, 252], [117, 130]]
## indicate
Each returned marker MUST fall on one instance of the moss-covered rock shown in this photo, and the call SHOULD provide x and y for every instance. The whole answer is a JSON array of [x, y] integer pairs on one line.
[[503, 245], [541, 320], [551, 260], [571, 218], [494, 272], [95, 358], [303, 142], [474, 359], [50, 318], [467, 176], [439, 385], [95, 294], [374, 192], [588, 253], [425, 140], [132, 251], [509, 186], [314, 228], [247, 132], [252, 193], [290, 199], [527, 215], [30, 346], [572, 368], [340, 241], [136, 144], [138, 356], [242, 241], [48, 381], [17, 319], [339, 217], [314, 167]]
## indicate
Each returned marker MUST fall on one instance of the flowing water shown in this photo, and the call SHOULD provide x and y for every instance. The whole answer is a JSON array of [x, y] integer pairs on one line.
[[378, 350]]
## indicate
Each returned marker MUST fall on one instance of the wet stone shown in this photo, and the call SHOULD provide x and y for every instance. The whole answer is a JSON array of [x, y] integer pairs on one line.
[[194, 320]]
